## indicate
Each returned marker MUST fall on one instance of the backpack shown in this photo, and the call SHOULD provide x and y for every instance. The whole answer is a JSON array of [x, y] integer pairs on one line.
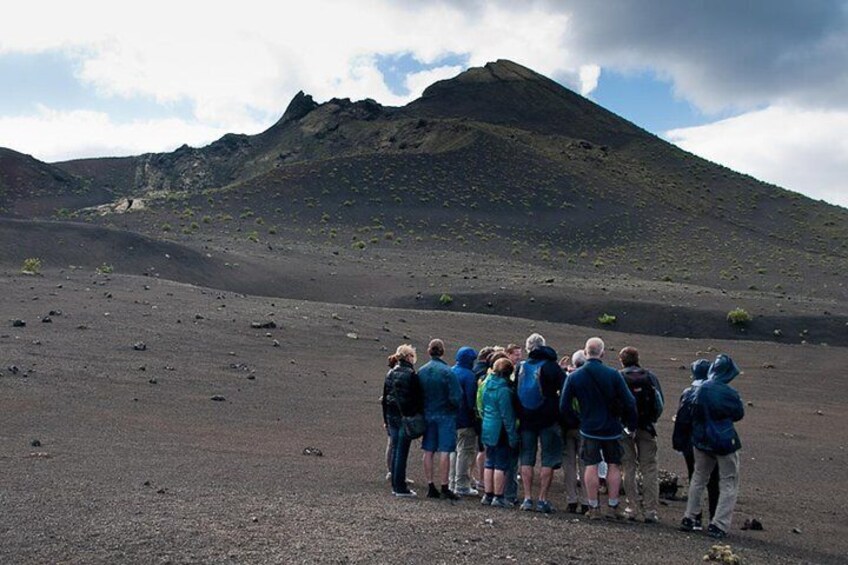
[[648, 399], [529, 387], [481, 385]]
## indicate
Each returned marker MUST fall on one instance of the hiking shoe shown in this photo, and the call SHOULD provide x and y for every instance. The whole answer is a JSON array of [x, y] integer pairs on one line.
[[616, 512], [715, 532], [572, 508], [405, 494], [594, 513], [479, 486], [651, 517], [487, 500], [512, 501], [433, 492], [698, 526], [467, 491], [527, 505], [389, 476], [634, 514], [449, 495], [687, 525], [544, 507], [499, 502]]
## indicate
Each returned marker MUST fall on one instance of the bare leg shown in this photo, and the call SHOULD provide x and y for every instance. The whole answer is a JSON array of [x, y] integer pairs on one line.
[[488, 480], [481, 461], [613, 481], [500, 480], [445, 467], [545, 478], [590, 478], [527, 480], [428, 466]]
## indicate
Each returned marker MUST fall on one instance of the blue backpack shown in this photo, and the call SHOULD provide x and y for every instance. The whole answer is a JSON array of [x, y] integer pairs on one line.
[[529, 388]]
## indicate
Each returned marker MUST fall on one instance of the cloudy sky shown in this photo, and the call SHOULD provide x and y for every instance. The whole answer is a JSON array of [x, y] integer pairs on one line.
[[758, 85]]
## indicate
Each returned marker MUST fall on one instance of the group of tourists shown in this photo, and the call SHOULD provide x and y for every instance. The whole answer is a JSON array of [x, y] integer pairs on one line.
[[484, 422]]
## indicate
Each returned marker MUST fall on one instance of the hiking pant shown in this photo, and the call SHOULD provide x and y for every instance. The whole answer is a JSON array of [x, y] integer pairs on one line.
[[728, 485], [640, 452], [462, 459], [401, 443], [712, 484], [573, 468]]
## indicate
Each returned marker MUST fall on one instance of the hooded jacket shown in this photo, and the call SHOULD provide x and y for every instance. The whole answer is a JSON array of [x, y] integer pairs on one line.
[[717, 401], [401, 394], [603, 398], [467, 413], [551, 379], [498, 414], [681, 437], [442, 395]]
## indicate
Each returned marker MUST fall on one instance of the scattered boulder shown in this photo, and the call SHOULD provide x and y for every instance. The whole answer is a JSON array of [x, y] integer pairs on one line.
[[796, 531], [723, 554], [54, 313], [46, 320], [14, 369], [18, 323], [35, 443], [313, 451], [753, 524], [269, 325], [218, 398], [140, 346]]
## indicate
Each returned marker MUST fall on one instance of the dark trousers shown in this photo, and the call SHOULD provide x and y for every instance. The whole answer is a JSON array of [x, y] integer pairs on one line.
[[400, 455], [712, 484]]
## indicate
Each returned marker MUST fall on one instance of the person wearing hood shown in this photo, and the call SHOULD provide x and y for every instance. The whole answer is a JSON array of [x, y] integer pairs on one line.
[[459, 480], [540, 380], [715, 407], [681, 439], [499, 432]]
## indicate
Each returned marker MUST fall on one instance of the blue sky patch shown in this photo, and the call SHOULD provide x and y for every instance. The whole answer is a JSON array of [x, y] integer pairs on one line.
[[396, 66]]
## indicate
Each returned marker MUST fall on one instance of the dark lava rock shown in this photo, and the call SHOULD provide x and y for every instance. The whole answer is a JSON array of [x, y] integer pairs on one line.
[[146, 483], [140, 346], [35, 443], [313, 451], [263, 325], [18, 323], [46, 320], [13, 369], [219, 398], [669, 484], [753, 524], [153, 381]]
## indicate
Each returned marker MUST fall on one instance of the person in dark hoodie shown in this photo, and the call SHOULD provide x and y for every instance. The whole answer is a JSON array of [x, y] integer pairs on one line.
[[480, 370], [603, 401], [539, 382], [715, 407], [402, 396], [463, 459], [681, 439]]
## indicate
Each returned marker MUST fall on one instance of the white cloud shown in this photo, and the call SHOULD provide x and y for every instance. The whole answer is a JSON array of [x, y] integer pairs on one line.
[[51, 135], [803, 150]]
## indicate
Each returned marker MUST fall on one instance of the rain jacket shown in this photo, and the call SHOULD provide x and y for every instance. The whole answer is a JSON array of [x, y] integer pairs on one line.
[[467, 413], [604, 401], [498, 413], [442, 395], [681, 437], [401, 394], [716, 400]]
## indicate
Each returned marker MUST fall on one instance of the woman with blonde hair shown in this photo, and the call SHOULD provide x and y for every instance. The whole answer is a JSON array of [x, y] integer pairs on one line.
[[402, 396]]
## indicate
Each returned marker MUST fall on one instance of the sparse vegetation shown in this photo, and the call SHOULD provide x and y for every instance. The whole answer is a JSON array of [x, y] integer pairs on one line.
[[358, 245], [445, 300], [32, 266], [606, 319], [105, 269], [253, 236], [739, 317]]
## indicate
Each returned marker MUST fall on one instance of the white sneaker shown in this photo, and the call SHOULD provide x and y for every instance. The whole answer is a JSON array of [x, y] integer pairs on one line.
[[389, 476], [407, 494], [467, 491]]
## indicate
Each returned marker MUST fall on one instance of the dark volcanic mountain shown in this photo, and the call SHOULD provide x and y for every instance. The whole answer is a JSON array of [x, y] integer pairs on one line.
[[498, 161]]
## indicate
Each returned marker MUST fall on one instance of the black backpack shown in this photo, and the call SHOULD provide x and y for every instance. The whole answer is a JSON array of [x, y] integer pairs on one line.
[[646, 395]]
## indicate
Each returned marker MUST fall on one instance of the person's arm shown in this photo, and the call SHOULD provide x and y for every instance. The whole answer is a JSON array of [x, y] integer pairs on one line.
[[454, 390], [508, 415], [737, 409], [660, 395], [384, 400], [470, 390], [565, 405], [416, 393]]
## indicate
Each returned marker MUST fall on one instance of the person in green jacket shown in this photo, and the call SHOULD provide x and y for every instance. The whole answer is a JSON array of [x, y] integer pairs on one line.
[[500, 435]]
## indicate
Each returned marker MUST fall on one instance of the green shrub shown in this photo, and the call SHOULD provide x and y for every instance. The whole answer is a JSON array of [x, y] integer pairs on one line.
[[166, 227], [358, 245], [445, 300], [606, 319], [738, 317], [105, 269], [32, 266], [253, 236]]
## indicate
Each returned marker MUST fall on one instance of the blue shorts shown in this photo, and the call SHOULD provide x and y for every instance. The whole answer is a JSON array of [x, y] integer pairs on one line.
[[498, 457], [551, 440], [440, 434]]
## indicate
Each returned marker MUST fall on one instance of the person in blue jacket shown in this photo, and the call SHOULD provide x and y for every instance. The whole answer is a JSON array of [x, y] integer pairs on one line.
[[462, 460], [715, 407], [500, 435], [442, 399], [681, 439], [604, 401]]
